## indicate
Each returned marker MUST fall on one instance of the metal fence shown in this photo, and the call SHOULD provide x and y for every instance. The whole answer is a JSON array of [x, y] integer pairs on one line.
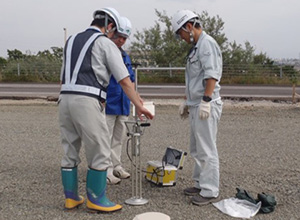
[[30, 72], [231, 73]]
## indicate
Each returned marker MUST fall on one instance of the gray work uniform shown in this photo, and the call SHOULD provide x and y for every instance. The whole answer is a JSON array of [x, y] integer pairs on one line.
[[81, 114], [204, 62]]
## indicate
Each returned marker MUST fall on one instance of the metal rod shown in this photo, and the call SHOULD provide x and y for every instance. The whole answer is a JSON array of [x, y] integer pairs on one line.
[[140, 176], [132, 165], [136, 166]]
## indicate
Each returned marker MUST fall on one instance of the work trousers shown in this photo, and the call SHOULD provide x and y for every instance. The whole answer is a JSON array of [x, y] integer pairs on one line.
[[203, 149], [82, 122], [117, 130]]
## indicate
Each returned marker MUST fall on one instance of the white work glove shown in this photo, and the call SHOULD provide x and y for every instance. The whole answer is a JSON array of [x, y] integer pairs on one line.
[[204, 110], [183, 110]]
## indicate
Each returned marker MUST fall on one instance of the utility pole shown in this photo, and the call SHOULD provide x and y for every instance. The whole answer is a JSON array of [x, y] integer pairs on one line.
[[65, 35]]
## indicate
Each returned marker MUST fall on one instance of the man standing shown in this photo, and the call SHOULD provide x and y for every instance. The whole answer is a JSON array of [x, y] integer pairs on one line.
[[90, 58], [203, 104], [117, 108]]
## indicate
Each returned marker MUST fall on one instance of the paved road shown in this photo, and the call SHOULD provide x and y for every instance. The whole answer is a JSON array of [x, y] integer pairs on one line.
[[10, 90]]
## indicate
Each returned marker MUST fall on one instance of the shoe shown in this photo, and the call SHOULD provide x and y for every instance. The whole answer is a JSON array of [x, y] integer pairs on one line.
[[191, 191], [112, 180], [121, 173], [200, 200]]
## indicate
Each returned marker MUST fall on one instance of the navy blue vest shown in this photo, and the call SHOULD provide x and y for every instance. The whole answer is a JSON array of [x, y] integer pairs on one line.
[[78, 76]]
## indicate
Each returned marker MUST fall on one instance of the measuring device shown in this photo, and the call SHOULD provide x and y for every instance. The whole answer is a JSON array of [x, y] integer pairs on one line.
[[135, 131]]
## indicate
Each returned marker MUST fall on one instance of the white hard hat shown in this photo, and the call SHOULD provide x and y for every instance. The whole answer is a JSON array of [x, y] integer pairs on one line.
[[125, 27], [181, 17], [113, 13]]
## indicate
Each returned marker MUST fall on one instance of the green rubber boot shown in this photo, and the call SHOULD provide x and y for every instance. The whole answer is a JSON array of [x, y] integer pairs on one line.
[[70, 184], [96, 192]]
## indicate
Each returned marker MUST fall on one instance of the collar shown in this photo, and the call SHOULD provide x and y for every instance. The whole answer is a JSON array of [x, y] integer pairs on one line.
[[94, 28], [202, 35]]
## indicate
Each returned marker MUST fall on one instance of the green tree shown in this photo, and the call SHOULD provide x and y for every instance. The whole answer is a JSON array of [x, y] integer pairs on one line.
[[290, 72], [57, 52], [236, 54], [262, 59], [43, 67], [237, 60], [214, 26], [15, 54], [158, 46], [3, 61]]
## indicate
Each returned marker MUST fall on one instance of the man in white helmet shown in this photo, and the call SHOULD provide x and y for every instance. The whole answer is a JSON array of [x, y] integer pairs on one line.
[[117, 108], [203, 105], [90, 58]]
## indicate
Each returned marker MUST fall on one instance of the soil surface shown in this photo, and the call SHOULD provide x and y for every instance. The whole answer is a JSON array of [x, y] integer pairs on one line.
[[259, 149]]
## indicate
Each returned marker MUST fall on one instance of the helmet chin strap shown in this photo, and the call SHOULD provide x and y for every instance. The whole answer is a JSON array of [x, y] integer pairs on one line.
[[106, 26], [192, 37], [191, 33], [109, 31]]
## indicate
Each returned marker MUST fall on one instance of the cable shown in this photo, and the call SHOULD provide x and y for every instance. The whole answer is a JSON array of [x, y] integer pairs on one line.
[[156, 171]]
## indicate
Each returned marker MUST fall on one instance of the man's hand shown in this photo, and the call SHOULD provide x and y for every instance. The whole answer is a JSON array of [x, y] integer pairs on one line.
[[204, 110], [143, 111], [183, 110]]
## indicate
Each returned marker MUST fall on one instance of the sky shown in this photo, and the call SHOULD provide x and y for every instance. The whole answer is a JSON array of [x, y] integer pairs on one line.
[[271, 26]]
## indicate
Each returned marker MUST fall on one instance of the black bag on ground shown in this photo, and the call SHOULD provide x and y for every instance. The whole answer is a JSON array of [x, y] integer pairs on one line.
[[268, 202], [243, 194]]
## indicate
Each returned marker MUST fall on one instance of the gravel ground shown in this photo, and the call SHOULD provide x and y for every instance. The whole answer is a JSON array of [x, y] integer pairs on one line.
[[258, 146]]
